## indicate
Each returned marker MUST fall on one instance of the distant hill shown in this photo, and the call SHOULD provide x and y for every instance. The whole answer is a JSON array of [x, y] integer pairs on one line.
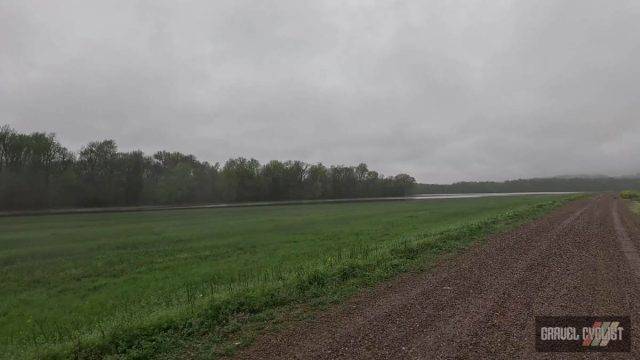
[[559, 183]]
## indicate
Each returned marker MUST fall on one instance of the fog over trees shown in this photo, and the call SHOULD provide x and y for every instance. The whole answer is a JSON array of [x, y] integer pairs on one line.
[[37, 172], [576, 183]]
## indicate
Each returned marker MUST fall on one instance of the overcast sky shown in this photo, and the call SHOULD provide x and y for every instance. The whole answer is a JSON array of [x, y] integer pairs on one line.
[[443, 90]]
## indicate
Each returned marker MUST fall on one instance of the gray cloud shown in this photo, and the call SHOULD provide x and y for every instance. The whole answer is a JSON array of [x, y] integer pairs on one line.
[[444, 90]]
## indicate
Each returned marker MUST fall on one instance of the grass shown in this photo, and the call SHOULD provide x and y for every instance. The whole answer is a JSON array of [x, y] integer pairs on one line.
[[152, 284], [630, 195], [634, 197]]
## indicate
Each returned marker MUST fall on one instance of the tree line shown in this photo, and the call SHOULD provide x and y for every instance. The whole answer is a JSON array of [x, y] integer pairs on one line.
[[37, 172], [603, 183]]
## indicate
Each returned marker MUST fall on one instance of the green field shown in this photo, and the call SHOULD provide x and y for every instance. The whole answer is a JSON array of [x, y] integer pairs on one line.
[[139, 285]]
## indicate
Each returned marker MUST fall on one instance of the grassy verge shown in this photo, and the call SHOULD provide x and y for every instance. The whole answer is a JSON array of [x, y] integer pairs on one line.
[[634, 199], [203, 282], [630, 195]]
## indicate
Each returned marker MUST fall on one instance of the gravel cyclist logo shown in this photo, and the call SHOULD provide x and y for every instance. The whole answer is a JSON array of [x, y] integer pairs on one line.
[[583, 333]]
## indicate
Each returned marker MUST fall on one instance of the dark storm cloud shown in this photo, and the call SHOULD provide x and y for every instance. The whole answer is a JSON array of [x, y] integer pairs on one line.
[[444, 90]]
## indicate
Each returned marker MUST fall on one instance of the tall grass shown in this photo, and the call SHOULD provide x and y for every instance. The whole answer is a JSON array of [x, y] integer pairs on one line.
[[634, 196], [630, 194]]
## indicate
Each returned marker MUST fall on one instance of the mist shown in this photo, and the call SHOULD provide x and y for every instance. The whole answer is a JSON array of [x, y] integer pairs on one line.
[[444, 91]]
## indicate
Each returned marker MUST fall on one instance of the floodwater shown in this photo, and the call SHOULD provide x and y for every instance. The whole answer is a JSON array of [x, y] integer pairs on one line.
[[480, 195], [274, 203]]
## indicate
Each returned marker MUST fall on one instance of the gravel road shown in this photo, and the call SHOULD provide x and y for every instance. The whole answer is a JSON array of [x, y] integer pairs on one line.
[[581, 259]]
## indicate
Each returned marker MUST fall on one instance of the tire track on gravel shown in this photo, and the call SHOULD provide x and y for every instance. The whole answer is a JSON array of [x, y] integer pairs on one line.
[[626, 245]]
